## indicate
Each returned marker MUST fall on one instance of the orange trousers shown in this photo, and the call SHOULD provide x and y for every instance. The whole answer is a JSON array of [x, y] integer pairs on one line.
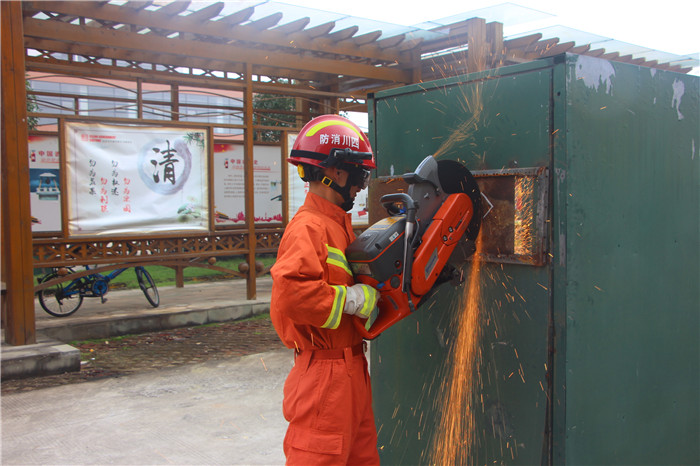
[[328, 403]]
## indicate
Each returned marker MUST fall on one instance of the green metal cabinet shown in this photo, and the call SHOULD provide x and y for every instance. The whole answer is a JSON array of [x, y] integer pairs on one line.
[[590, 356]]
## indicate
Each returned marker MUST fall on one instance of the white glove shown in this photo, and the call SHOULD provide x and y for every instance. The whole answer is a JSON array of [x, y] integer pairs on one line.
[[361, 301]]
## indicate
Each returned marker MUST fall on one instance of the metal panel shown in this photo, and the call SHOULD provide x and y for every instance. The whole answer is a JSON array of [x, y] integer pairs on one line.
[[489, 122], [633, 279], [593, 358]]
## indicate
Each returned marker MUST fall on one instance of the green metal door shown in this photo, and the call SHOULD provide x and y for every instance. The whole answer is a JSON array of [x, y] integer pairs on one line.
[[594, 356], [488, 122], [630, 325]]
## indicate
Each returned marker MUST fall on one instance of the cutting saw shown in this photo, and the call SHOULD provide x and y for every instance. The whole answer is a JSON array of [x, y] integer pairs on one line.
[[430, 230]]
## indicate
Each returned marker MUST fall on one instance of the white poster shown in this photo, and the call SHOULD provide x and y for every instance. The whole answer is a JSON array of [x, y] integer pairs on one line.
[[44, 183], [229, 184], [135, 179], [297, 190]]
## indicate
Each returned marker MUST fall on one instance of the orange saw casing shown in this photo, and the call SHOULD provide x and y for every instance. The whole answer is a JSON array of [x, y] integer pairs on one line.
[[437, 244]]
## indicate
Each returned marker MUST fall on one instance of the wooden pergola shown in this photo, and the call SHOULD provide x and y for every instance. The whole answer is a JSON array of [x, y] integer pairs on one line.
[[179, 44]]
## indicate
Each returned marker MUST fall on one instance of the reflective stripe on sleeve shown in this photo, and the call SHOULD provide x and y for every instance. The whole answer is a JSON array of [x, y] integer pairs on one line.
[[337, 309], [337, 257]]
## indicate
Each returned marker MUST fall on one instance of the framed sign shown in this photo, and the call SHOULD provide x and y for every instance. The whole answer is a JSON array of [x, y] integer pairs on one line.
[[229, 184], [128, 179], [44, 183]]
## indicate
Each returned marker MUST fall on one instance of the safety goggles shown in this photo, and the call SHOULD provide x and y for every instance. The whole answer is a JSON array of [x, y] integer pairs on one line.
[[358, 177]]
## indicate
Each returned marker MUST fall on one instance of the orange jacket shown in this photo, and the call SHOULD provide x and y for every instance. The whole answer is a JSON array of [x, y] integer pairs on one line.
[[310, 279]]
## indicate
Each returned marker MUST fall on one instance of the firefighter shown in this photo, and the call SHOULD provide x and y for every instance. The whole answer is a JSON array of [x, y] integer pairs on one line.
[[327, 394]]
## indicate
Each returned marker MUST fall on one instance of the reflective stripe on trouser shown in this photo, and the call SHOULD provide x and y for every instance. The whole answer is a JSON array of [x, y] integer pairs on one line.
[[328, 403]]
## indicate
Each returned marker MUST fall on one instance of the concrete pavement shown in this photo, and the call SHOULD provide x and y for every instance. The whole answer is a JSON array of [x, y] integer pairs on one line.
[[218, 412]]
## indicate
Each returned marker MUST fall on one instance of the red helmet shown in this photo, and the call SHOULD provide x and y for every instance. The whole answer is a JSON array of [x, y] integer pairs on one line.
[[332, 141]]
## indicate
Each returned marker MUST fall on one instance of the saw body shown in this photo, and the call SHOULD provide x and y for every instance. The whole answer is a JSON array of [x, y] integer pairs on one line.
[[406, 255]]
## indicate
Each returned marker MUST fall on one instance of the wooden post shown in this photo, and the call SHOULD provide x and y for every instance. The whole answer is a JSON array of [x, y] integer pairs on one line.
[[494, 38], [179, 276], [17, 263], [139, 98], [175, 102], [249, 162], [416, 66], [286, 215], [477, 53]]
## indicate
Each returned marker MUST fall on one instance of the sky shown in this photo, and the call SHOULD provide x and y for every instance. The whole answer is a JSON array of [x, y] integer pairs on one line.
[[668, 26]]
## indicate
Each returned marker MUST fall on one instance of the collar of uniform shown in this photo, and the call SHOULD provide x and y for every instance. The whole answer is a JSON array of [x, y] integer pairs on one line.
[[316, 202]]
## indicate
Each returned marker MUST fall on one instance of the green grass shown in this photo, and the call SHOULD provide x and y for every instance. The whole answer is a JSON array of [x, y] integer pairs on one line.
[[165, 276]]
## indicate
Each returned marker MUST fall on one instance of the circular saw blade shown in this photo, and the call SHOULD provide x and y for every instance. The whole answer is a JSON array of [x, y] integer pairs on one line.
[[456, 178]]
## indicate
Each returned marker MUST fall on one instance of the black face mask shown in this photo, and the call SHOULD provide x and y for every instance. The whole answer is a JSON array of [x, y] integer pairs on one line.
[[347, 204], [356, 177]]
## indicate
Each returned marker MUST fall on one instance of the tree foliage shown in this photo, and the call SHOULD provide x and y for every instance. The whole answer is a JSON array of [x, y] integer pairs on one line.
[[32, 106], [271, 102]]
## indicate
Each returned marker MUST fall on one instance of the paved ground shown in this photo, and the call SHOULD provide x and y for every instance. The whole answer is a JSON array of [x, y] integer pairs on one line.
[[183, 396], [224, 411]]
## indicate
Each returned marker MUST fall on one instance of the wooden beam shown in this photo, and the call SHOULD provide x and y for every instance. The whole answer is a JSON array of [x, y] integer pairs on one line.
[[238, 17], [541, 45], [610, 56], [17, 262], [293, 27], [206, 13], [222, 29], [266, 22], [173, 8], [581, 49], [185, 48], [595, 53], [390, 42], [135, 5], [314, 32], [165, 77], [368, 38], [556, 49], [522, 42], [343, 34]]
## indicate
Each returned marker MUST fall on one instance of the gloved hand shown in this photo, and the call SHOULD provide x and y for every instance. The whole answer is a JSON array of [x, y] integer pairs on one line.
[[361, 301]]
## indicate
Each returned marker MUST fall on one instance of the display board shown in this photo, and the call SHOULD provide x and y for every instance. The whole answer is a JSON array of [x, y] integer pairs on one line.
[[126, 179], [44, 183], [229, 184]]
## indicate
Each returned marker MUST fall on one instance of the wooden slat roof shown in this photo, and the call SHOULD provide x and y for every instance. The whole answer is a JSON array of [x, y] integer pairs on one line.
[[157, 38]]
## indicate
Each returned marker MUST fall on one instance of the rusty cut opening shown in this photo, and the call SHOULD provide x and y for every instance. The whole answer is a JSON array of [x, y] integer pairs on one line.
[[513, 212], [514, 215]]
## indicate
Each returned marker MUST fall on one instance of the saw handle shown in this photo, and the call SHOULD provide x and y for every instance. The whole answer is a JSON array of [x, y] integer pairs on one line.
[[389, 203], [392, 307]]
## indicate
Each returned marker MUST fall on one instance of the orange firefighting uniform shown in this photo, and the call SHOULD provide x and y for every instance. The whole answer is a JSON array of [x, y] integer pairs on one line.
[[327, 395]]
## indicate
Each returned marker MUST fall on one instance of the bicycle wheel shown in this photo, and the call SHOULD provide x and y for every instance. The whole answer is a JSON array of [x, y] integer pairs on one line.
[[148, 286], [57, 300]]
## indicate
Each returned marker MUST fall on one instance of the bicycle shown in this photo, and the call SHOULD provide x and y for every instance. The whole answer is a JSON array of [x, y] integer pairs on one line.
[[61, 301]]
